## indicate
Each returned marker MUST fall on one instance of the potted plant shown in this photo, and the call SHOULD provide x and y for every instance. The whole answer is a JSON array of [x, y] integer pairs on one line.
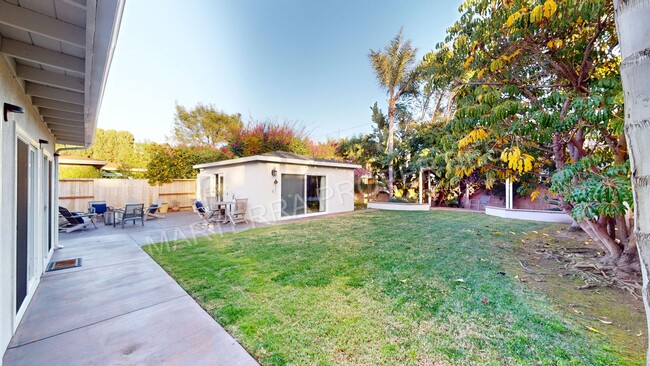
[[175, 206]]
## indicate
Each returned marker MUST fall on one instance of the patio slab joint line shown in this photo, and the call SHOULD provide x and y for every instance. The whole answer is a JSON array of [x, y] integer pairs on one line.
[[98, 322]]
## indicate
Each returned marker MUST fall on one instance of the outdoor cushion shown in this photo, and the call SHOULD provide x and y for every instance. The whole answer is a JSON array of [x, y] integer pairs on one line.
[[100, 208]]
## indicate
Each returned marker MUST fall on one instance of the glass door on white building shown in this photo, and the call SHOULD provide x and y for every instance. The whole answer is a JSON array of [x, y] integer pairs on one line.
[[46, 197], [32, 210], [292, 193], [26, 173], [302, 194], [315, 193], [218, 187]]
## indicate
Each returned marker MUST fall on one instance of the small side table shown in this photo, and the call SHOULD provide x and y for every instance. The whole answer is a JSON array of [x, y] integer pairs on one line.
[[109, 217]]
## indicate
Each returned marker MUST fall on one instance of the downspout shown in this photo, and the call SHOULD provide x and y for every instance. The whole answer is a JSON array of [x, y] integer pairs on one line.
[[56, 244]]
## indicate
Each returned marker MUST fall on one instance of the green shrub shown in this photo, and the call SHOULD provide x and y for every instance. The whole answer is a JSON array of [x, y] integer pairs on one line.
[[79, 172]]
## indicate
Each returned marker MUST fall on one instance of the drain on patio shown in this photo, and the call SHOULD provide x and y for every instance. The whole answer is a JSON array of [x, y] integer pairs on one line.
[[63, 264]]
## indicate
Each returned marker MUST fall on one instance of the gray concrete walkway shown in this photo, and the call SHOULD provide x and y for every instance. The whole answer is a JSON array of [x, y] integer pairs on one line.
[[120, 307]]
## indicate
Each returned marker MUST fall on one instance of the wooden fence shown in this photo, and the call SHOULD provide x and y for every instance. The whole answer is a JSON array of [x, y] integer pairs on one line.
[[74, 194]]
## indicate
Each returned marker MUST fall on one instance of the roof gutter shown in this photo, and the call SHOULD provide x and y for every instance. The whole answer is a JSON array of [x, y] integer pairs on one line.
[[56, 152]]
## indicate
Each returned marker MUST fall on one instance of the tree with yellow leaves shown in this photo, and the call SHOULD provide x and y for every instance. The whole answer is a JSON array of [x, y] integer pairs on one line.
[[539, 93]]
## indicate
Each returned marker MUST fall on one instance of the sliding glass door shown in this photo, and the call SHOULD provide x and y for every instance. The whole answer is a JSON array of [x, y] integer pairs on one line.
[[293, 194], [26, 271], [46, 196], [302, 194], [315, 193], [22, 220]]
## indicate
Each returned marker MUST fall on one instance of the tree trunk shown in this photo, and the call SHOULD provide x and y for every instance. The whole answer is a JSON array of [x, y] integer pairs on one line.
[[391, 136], [634, 38], [600, 231], [558, 150], [621, 228]]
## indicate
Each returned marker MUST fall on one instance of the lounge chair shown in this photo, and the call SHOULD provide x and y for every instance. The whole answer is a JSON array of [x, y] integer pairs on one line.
[[131, 212], [75, 220], [152, 212], [238, 214]]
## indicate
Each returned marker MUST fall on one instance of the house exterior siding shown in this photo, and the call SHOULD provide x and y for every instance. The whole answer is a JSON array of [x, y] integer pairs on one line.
[[30, 129]]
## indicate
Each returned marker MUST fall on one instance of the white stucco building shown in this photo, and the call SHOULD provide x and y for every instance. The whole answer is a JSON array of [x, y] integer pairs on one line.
[[280, 185], [54, 61]]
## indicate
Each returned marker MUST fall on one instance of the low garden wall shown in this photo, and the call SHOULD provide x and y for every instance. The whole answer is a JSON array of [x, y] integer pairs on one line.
[[531, 215], [397, 206]]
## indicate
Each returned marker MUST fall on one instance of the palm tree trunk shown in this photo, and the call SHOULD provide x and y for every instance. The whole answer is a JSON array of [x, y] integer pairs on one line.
[[633, 30], [391, 136]]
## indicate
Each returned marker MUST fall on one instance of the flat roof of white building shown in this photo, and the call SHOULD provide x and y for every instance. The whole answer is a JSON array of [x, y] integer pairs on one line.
[[281, 157]]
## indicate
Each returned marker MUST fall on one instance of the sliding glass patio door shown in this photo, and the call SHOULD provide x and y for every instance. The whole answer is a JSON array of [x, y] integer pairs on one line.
[[302, 194], [292, 195], [25, 274], [315, 193]]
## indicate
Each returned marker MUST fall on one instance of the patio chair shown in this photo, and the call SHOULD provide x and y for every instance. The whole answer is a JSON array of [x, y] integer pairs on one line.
[[98, 208], [483, 200], [207, 216], [75, 220], [238, 214], [152, 212], [131, 212]]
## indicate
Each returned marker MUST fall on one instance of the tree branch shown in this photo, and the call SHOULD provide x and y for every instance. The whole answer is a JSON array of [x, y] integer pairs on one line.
[[585, 57], [550, 86]]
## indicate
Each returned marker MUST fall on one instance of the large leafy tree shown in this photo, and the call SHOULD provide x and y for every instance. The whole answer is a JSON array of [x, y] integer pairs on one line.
[[539, 93], [110, 145], [168, 163], [396, 72], [633, 29], [117, 147], [204, 126]]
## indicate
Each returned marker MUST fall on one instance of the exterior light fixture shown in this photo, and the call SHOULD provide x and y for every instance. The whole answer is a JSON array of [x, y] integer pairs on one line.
[[11, 108], [274, 172], [43, 142]]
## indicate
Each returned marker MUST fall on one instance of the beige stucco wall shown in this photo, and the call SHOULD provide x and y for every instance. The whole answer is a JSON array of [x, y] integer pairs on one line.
[[254, 181], [31, 129]]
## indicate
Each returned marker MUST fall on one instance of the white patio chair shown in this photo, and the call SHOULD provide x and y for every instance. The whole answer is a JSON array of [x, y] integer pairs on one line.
[[238, 214]]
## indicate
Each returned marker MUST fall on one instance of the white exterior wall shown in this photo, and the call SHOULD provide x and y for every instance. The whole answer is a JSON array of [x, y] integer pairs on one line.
[[30, 128], [253, 180]]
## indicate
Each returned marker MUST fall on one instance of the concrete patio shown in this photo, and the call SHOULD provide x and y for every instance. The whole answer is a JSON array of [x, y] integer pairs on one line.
[[120, 307]]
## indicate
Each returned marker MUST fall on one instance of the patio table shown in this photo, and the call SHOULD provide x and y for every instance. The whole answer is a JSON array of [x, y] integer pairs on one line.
[[216, 206]]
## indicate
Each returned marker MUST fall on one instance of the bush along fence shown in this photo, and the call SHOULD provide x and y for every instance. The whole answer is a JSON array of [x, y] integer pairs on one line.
[[74, 194]]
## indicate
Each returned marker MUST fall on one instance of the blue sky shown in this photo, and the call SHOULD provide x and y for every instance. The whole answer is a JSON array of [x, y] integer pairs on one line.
[[291, 60]]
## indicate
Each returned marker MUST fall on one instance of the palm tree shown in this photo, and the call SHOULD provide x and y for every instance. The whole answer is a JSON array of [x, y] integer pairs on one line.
[[633, 29], [395, 71]]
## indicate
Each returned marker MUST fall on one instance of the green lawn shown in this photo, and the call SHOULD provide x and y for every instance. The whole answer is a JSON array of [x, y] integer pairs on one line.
[[384, 288]]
